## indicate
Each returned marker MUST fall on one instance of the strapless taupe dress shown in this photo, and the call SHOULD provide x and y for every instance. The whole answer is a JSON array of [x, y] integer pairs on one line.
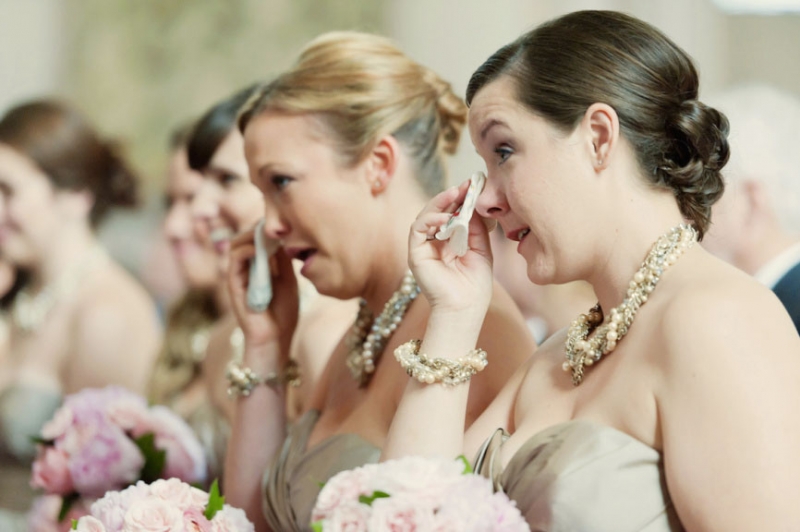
[[295, 477], [581, 476]]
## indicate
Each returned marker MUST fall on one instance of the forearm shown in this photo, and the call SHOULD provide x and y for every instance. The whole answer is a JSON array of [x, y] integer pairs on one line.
[[430, 417], [258, 430]]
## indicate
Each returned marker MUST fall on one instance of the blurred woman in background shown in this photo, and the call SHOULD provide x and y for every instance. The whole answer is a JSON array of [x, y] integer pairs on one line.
[[178, 380], [76, 318]]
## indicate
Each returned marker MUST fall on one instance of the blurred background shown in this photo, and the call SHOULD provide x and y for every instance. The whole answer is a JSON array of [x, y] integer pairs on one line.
[[139, 68]]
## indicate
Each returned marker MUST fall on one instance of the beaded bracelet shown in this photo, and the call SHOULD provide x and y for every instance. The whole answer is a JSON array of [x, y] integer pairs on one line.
[[242, 380], [431, 370]]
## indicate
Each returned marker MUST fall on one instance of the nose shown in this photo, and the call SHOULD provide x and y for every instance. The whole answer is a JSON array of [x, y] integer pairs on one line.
[[275, 225], [205, 203], [178, 221], [492, 201]]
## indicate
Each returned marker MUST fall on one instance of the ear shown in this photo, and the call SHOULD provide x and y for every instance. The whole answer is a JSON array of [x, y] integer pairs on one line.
[[75, 204], [381, 163], [756, 201], [602, 126]]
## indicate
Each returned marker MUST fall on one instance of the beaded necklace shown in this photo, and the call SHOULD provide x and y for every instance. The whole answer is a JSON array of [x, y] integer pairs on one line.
[[583, 352], [368, 337], [29, 311]]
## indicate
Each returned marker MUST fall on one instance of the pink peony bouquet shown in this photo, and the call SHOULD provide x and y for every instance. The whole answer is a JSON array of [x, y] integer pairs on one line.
[[44, 514], [163, 506], [414, 494], [108, 438]]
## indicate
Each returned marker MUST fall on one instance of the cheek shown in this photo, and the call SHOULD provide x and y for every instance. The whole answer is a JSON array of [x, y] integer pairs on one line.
[[243, 206]]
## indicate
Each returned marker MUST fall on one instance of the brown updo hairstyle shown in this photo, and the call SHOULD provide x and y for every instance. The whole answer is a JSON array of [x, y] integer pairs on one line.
[[72, 155], [362, 87], [586, 57]]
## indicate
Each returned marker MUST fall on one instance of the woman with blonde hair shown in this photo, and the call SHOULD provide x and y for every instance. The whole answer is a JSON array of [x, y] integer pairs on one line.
[[671, 404], [346, 147]]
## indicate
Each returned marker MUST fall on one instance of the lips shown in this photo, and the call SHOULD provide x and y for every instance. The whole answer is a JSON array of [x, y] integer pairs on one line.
[[518, 235], [220, 239]]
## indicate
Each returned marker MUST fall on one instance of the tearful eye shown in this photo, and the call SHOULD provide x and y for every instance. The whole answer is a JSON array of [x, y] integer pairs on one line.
[[503, 153], [227, 178], [280, 181]]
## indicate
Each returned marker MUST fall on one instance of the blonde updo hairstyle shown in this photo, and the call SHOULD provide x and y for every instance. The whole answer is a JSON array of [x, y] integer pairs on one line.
[[362, 87]]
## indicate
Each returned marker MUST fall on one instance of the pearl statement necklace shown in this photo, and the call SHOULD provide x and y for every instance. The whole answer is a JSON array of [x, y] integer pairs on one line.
[[29, 311], [366, 341], [582, 351]]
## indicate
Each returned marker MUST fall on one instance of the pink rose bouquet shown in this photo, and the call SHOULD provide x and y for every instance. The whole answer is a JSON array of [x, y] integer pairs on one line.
[[108, 438], [163, 506], [414, 494]]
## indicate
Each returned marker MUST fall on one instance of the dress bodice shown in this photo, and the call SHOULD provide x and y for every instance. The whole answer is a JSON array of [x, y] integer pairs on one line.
[[581, 475], [297, 473]]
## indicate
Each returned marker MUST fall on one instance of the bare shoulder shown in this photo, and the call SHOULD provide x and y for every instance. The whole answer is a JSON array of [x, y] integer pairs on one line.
[[722, 318], [116, 334], [114, 292]]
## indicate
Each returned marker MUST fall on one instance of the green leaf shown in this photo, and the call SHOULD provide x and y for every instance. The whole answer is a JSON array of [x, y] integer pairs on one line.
[[467, 466], [154, 458], [363, 499], [215, 501], [41, 441], [316, 527], [66, 503], [74, 524]]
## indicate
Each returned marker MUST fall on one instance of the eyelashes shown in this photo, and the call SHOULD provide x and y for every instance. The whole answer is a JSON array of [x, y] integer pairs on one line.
[[503, 153]]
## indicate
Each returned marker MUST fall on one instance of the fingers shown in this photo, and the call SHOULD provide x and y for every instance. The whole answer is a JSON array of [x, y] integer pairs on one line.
[[426, 225], [448, 200]]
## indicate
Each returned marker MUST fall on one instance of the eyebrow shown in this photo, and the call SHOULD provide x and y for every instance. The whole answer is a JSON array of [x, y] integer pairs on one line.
[[492, 123]]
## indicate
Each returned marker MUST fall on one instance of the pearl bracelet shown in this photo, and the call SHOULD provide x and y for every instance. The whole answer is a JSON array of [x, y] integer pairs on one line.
[[431, 370], [242, 380]]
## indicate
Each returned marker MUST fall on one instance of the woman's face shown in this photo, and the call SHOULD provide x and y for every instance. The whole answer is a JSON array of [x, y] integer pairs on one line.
[[226, 202], [195, 255], [536, 183], [317, 208], [30, 211]]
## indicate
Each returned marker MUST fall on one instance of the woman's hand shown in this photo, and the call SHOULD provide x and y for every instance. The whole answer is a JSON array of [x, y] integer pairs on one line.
[[279, 321], [451, 284]]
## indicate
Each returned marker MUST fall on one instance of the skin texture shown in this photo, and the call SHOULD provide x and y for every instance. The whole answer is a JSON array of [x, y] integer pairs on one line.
[[106, 331], [711, 356], [194, 253], [354, 219]]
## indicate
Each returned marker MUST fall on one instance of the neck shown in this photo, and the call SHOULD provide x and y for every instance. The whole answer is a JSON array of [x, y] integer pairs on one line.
[[627, 245], [63, 253], [390, 256]]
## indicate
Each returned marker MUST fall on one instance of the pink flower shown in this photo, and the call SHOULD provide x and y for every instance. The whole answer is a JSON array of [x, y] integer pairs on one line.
[[178, 494], [111, 509], [185, 457], [90, 524], [43, 515], [153, 515], [195, 520], [348, 518], [56, 427], [401, 514], [231, 519], [428, 479], [344, 487], [51, 472], [105, 459], [130, 414]]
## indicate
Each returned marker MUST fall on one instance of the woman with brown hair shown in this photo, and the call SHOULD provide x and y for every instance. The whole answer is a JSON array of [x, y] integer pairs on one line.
[[178, 379], [671, 404], [346, 147], [79, 320]]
